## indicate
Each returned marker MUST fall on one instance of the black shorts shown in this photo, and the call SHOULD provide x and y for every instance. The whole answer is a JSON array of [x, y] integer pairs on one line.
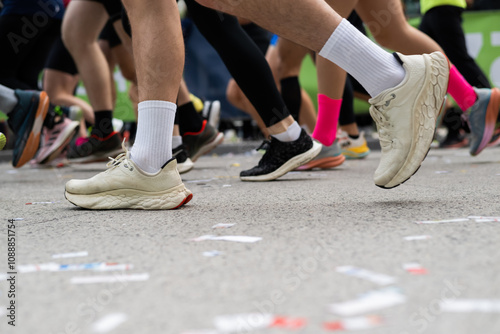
[[23, 59], [113, 8], [60, 59], [126, 22], [109, 34]]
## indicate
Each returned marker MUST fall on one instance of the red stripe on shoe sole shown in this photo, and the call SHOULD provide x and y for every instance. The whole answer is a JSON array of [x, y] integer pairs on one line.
[[185, 201]]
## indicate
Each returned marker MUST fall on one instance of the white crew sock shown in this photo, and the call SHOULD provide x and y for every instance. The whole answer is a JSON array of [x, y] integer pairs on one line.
[[8, 99], [291, 134], [176, 141], [374, 68], [153, 141]]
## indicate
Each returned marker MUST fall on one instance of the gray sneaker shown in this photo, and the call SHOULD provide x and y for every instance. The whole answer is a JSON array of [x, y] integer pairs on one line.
[[328, 157], [483, 118], [203, 141]]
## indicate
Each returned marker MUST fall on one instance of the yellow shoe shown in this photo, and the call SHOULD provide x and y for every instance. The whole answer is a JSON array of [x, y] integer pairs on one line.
[[353, 148], [3, 141]]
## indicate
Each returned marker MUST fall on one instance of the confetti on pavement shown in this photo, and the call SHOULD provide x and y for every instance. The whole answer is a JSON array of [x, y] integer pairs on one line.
[[96, 266], [69, 255], [456, 220], [221, 226], [213, 253], [109, 322], [35, 203], [470, 305], [368, 275], [110, 279], [417, 237], [355, 323], [234, 238], [369, 302], [241, 323], [415, 268]]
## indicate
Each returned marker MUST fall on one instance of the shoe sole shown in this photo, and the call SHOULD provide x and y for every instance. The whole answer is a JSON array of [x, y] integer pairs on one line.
[[325, 163], [494, 143], [33, 142], [185, 166], [490, 121], [60, 144], [288, 166], [100, 157], [209, 146], [388, 188], [170, 199], [420, 147], [353, 156]]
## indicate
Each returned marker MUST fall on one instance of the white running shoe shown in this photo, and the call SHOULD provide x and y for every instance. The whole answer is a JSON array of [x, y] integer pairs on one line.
[[211, 112], [125, 186], [353, 148], [184, 164], [406, 117], [117, 124]]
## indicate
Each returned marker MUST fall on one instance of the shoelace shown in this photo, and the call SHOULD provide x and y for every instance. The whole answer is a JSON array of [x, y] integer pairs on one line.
[[382, 124], [267, 147], [115, 162]]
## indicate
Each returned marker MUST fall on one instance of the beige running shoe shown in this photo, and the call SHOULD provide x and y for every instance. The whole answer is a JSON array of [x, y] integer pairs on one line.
[[406, 117], [125, 186]]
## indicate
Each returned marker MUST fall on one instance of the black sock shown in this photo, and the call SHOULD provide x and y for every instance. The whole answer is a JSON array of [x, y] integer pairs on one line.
[[50, 121], [188, 119], [292, 95], [103, 125], [55, 115], [453, 120], [176, 118], [354, 136]]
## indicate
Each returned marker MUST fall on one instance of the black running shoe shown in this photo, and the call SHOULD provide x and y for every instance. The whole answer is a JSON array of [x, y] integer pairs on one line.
[[203, 141], [282, 157], [94, 149], [184, 164]]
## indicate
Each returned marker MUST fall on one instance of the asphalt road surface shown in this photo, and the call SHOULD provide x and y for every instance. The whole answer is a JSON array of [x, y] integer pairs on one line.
[[312, 225]]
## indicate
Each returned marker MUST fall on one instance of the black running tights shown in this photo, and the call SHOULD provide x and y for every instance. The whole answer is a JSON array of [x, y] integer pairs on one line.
[[243, 59], [24, 46]]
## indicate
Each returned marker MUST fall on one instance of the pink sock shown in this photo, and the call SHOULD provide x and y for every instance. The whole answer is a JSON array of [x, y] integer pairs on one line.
[[328, 117], [461, 91]]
